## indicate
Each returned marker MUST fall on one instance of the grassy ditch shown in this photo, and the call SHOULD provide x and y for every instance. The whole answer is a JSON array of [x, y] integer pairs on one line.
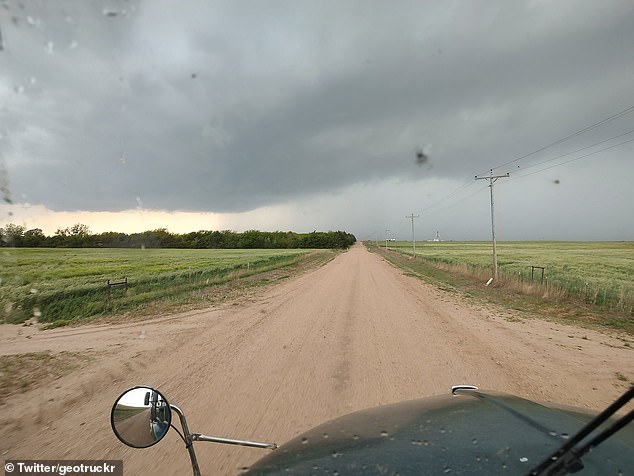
[[522, 296], [62, 286], [594, 273]]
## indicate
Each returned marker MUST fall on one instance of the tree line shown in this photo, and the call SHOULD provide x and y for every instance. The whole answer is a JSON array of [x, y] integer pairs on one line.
[[80, 236]]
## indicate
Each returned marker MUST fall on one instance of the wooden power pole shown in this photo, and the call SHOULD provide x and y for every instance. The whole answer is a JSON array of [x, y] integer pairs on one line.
[[412, 216], [492, 179]]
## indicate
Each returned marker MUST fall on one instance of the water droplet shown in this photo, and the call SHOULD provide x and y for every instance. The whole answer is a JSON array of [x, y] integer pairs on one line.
[[30, 20], [552, 433], [50, 47], [325, 436], [523, 459], [304, 441], [33, 291], [109, 13], [385, 434], [565, 436], [446, 470], [474, 441], [443, 431], [337, 455], [355, 437], [32, 80], [72, 45]]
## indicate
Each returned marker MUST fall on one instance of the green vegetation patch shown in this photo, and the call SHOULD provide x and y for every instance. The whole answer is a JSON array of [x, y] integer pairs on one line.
[[596, 273], [61, 286], [522, 297]]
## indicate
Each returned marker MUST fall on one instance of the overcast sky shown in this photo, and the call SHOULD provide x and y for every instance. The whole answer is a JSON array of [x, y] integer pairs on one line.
[[298, 115]]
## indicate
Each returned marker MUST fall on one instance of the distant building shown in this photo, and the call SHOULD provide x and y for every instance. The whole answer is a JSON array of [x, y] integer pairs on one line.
[[437, 237]]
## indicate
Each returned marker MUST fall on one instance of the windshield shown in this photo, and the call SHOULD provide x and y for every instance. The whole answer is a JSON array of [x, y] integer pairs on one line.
[[277, 213]]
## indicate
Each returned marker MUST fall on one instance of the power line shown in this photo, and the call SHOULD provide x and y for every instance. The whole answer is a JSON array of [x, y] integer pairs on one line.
[[446, 197], [572, 160], [574, 134], [579, 150], [459, 201]]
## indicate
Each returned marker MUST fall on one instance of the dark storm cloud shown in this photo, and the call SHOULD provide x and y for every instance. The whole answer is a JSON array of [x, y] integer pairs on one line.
[[228, 107]]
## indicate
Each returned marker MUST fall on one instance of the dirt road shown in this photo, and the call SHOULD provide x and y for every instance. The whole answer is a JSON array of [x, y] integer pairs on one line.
[[353, 334]]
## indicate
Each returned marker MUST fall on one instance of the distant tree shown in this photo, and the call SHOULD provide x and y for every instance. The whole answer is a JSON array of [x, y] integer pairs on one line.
[[12, 235], [75, 236], [34, 238]]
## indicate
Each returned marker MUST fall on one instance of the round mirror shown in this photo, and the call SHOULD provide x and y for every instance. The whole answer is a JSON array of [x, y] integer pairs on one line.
[[140, 417]]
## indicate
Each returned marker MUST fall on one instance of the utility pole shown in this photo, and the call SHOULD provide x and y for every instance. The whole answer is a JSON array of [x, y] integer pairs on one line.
[[412, 216], [492, 179], [386, 232]]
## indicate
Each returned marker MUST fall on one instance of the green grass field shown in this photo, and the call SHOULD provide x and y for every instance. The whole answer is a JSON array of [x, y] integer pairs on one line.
[[62, 285], [600, 273]]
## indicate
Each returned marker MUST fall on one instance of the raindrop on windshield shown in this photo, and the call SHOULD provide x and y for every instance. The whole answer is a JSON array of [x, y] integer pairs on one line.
[[50, 47], [304, 441], [523, 459], [385, 434]]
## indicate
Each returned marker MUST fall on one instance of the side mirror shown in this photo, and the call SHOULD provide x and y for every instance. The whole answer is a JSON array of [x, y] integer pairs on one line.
[[140, 417]]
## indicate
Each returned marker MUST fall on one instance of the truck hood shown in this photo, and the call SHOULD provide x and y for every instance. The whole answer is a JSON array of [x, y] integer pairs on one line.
[[471, 433]]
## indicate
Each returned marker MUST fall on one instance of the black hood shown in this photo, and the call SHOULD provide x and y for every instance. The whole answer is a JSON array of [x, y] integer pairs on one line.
[[472, 433]]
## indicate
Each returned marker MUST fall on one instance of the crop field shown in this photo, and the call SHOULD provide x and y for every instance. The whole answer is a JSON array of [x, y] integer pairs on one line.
[[600, 273], [62, 285]]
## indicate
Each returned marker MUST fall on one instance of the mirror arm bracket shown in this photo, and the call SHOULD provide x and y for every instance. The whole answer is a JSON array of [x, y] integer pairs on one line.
[[189, 440], [231, 441]]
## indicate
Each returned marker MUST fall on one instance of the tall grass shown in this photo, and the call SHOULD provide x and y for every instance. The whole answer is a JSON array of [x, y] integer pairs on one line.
[[57, 285], [600, 274]]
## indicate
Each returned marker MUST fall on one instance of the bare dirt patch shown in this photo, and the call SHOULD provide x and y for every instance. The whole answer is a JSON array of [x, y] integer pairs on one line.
[[20, 373]]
